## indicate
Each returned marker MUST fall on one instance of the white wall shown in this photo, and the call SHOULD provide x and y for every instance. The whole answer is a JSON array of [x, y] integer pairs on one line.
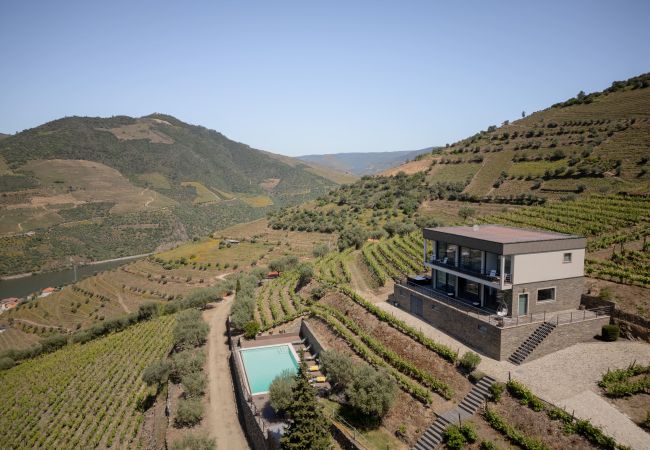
[[534, 267]]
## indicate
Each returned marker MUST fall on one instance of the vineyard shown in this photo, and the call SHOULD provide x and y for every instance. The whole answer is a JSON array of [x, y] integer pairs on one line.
[[394, 258], [608, 222], [277, 301], [83, 396]]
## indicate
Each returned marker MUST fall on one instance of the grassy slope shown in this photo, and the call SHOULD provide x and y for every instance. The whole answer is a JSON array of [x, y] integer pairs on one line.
[[160, 178]]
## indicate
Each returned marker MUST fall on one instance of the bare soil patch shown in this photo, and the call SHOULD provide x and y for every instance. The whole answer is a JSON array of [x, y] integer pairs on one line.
[[631, 299], [539, 426], [401, 344], [409, 168], [636, 407]]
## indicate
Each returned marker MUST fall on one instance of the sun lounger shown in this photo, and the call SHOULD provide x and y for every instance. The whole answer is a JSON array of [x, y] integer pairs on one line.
[[314, 368]]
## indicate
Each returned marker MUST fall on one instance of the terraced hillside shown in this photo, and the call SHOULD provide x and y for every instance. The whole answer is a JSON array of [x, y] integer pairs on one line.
[[99, 188], [84, 395]]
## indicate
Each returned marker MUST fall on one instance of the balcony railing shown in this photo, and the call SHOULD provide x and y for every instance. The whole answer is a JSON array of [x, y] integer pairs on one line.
[[488, 315], [491, 276]]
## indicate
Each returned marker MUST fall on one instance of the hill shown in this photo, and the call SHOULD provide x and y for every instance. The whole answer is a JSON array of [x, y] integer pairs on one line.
[[99, 188], [592, 144], [360, 164]]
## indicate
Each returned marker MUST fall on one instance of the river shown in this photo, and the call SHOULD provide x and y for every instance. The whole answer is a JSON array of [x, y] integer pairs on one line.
[[21, 287]]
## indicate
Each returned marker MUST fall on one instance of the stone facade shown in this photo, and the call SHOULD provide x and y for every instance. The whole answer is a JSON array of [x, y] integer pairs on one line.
[[567, 295], [496, 342], [563, 336], [473, 332]]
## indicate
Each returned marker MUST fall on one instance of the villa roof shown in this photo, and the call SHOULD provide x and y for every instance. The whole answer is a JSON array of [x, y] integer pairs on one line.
[[504, 234], [504, 239]]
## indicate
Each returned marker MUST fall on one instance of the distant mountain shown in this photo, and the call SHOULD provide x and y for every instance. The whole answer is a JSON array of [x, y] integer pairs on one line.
[[360, 164], [99, 188]]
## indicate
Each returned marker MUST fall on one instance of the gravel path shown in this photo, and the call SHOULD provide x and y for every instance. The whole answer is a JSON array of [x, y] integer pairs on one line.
[[567, 378], [221, 417]]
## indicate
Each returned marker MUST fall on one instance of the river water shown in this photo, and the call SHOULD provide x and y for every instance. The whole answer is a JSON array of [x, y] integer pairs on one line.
[[21, 287]]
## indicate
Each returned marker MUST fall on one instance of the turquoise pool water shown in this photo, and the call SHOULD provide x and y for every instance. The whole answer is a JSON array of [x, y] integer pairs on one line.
[[263, 364]]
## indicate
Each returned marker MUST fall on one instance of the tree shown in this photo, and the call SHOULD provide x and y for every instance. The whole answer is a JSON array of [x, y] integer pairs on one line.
[[251, 329], [190, 330], [189, 412], [307, 424], [194, 384], [194, 442], [339, 368], [147, 311], [186, 362], [157, 372], [523, 114], [305, 274], [321, 250], [351, 237], [466, 212], [372, 392], [280, 391]]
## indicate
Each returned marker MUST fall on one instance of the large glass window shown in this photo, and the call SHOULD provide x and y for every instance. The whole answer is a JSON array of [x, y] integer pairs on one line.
[[468, 290], [470, 259], [446, 252], [445, 282]]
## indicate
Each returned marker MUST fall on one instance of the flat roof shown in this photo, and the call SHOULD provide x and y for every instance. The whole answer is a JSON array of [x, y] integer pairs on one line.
[[505, 240], [504, 234]]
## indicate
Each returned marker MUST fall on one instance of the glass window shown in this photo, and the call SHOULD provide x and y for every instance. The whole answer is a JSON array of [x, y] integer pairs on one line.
[[448, 251], [567, 257], [470, 259], [445, 282], [545, 294]]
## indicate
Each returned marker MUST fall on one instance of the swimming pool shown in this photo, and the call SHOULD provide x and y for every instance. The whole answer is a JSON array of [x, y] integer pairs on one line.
[[263, 364]]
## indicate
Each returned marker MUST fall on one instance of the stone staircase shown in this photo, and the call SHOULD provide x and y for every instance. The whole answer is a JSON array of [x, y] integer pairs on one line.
[[432, 437], [527, 347]]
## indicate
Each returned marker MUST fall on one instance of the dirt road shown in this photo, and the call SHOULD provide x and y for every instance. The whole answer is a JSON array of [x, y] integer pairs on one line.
[[221, 417]]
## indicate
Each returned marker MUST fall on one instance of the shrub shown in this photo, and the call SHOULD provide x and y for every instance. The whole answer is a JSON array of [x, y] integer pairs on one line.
[[6, 363], [186, 362], [469, 361], [496, 390], [157, 372], [194, 442], [194, 384], [525, 396], [147, 311], [305, 273], [466, 212], [251, 329], [605, 294], [339, 367], [190, 412], [372, 392], [190, 330], [610, 333], [476, 376], [280, 391], [320, 250], [488, 445], [456, 437]]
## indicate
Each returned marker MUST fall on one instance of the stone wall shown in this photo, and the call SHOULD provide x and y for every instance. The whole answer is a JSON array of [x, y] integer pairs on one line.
[[473, 332], [567, 295], [310, 336], [564, 335], [254, 434]]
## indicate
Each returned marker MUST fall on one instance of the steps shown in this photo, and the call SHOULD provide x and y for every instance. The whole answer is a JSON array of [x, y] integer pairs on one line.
[[477, 396], [527, 347], [432, 437]]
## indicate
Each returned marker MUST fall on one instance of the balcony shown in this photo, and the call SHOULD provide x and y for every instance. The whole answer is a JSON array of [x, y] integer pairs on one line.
[[493, 278]]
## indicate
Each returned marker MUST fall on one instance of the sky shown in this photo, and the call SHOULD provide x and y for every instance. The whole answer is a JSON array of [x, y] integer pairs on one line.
[[309, 77]]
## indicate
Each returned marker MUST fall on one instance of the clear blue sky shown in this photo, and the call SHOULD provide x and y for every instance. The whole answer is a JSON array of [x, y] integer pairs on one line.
[[298, 77]]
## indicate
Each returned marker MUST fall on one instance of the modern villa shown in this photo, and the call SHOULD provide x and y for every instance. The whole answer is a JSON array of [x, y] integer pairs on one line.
[[508, 292]]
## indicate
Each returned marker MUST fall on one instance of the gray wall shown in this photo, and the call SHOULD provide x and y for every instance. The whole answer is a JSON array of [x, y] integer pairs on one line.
[[473, 332], [311, 338], [567, 295], [564, 335], [494, 342]]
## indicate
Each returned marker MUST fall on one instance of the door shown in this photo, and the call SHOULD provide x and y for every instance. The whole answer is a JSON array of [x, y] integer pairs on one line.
[[523, 304], [416, 305]]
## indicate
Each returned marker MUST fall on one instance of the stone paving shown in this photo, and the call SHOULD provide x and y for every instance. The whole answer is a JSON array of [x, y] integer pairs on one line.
[[566, 378]]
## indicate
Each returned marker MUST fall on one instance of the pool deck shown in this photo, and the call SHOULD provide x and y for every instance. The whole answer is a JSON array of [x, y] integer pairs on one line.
[[273, 339]]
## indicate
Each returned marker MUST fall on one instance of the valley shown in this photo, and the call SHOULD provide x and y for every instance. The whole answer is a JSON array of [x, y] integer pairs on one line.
[[263, 254]]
